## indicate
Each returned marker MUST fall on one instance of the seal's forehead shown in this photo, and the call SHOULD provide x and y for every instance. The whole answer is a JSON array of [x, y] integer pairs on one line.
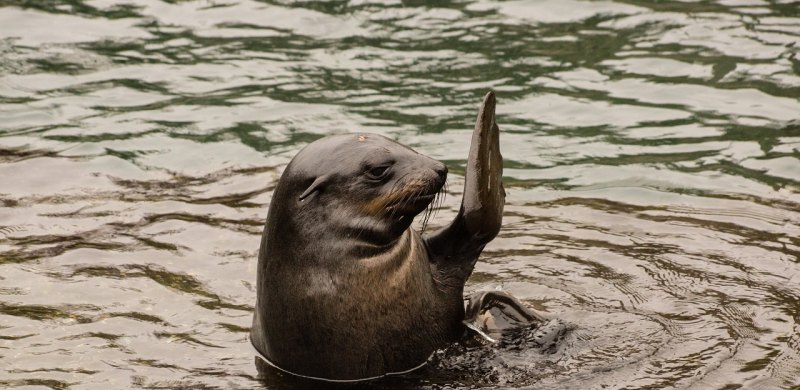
[[343, 150], [353, 142]]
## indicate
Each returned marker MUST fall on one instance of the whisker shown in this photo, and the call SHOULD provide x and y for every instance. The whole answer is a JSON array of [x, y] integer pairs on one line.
[[440, 197], [393, 190], [433, 206], [403, 201]]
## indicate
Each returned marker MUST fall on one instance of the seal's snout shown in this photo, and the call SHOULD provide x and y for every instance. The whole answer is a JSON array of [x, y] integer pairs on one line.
[[441, 170]]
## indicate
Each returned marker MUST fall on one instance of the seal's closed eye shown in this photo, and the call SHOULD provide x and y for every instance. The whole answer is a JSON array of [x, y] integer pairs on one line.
[[379, 172]]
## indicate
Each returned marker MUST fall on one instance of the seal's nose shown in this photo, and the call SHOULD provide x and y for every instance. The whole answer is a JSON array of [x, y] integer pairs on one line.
[[441, 170]]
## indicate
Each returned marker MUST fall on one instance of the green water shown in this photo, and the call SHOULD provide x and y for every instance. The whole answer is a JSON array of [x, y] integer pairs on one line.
[[652, 162]]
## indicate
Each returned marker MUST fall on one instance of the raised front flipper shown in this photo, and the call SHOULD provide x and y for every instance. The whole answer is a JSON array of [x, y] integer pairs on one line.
[[456, 247]]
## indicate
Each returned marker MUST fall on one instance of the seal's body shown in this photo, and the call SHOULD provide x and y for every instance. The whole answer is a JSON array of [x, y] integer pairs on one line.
[[346, 290]]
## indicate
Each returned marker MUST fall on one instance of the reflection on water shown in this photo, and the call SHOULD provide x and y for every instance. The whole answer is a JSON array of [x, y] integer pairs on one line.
[[652, 158]]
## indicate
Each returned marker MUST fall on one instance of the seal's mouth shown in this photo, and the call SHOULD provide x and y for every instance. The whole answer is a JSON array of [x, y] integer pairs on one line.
[[415, 203]]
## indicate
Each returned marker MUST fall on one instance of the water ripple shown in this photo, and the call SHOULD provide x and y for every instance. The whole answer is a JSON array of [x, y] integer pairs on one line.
[[651, 151]]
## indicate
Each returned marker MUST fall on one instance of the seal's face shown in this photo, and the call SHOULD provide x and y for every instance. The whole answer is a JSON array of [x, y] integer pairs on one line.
[[365, 184]]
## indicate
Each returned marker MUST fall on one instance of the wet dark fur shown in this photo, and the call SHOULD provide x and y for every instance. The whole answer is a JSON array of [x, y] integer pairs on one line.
[[345, 288]]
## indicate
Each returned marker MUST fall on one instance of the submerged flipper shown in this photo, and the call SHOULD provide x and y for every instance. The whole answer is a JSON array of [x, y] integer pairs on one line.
[[456, 247], [490, 313]]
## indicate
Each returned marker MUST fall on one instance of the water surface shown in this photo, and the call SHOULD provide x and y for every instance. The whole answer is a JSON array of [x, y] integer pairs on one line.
[[652, 153]]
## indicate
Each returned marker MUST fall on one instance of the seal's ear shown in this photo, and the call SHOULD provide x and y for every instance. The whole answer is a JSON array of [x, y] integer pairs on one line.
[[315, 186]]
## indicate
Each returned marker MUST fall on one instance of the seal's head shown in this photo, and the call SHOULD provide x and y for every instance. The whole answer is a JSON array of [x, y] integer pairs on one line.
[[364, 187]]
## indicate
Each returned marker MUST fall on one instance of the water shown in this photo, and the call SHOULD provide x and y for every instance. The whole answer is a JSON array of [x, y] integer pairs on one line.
[[652, 155]]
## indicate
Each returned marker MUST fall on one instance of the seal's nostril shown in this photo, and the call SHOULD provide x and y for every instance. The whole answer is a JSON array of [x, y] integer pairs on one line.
[[441, 170]]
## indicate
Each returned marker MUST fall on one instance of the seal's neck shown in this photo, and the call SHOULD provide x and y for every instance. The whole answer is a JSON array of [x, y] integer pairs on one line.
[[371, 234], [336, 233], [391, 255]]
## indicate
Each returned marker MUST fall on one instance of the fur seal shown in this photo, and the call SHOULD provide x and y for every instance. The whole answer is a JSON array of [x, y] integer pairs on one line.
[[346, 289]]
